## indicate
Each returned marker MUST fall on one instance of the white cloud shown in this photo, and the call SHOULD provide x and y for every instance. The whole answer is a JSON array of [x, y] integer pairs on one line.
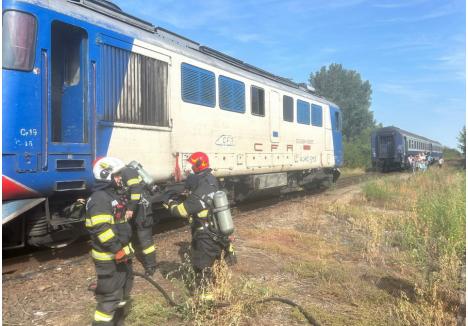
[[405, 90], [393, 4], [448, 67], [449, 8], [248, 37]]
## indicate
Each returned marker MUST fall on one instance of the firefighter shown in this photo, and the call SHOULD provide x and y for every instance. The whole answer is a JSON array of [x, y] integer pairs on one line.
[[140, 215], [206, 246], [111, 247]]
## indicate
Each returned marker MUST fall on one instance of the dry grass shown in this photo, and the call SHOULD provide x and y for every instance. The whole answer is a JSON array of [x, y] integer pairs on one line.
[[347, 172], [430, 231], [382, 258]]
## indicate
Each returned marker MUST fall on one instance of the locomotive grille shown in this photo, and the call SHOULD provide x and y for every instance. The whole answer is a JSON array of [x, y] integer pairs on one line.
[[134, 88], [385, 147]]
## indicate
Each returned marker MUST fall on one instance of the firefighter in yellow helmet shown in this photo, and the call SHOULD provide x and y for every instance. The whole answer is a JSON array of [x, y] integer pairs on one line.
[[111, 247], [141, 219]]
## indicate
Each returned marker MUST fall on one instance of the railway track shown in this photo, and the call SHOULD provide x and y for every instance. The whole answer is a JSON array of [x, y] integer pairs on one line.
[[28, 264]]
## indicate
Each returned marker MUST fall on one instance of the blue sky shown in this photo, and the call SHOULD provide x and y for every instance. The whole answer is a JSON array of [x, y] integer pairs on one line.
[[411, 51]]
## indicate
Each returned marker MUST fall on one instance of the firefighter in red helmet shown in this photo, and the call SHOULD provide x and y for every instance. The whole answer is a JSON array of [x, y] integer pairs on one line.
[[206, 246], [199, 161]]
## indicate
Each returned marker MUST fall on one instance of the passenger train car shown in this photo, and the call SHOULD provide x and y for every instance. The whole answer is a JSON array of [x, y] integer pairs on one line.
[[391, 147], [82, 80]]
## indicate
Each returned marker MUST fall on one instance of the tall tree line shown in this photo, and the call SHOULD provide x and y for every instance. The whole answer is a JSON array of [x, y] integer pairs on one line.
[[346, 89], [353, 95]]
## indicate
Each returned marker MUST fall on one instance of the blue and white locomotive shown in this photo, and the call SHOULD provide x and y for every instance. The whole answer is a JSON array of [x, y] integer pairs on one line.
[[83, 80], [391, 147]]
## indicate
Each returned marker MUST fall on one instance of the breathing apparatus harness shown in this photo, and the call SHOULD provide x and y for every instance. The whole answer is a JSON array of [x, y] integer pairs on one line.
[[119, 205], [213, 227], [148, 180]]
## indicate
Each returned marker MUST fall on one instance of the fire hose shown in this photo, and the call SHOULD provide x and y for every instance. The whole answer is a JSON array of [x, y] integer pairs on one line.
[[171, 302]]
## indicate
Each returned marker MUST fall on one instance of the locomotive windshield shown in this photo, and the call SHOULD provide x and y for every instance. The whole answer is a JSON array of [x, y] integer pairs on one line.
[[19, 36]]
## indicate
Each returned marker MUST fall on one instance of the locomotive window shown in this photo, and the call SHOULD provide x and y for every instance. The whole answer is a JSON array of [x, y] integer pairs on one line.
[[303, 112], [19, 37], [198, 86], [257, 99], [231, 94], [68, 114], [317, 116], [67, 42], [338, 121], [134, 88], [288, 108]]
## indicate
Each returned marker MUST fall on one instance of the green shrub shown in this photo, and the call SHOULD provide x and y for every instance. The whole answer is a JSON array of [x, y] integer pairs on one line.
[[357, 151], [441, 212], [379, 190]]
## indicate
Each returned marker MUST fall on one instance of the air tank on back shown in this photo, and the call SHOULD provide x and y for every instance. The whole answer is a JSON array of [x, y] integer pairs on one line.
[[147, 178], [222, 213]]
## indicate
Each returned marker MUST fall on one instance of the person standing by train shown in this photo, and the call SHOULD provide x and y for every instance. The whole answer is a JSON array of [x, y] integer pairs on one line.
[[110, 240], [411, 162], [440, 162], [206, 246], [141, 219]]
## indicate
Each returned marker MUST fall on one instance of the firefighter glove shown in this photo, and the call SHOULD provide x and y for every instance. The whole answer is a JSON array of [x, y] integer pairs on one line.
[[169, 203], [230, 256], [128, 215], [124, 254], [121, 256]]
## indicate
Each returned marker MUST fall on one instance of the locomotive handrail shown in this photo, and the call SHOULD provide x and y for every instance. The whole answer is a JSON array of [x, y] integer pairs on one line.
[[93, 112], [45, 106]]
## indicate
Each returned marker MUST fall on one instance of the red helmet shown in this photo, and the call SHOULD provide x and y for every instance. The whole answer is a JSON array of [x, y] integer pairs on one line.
[[199, 161]]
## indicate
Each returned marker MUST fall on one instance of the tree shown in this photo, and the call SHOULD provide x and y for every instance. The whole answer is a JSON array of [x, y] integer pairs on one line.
[[357, 152], [451, 153], [347, 90], [462, 140]]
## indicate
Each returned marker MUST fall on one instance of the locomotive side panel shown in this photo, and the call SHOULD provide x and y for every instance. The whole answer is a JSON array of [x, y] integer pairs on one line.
[[104, 85]]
